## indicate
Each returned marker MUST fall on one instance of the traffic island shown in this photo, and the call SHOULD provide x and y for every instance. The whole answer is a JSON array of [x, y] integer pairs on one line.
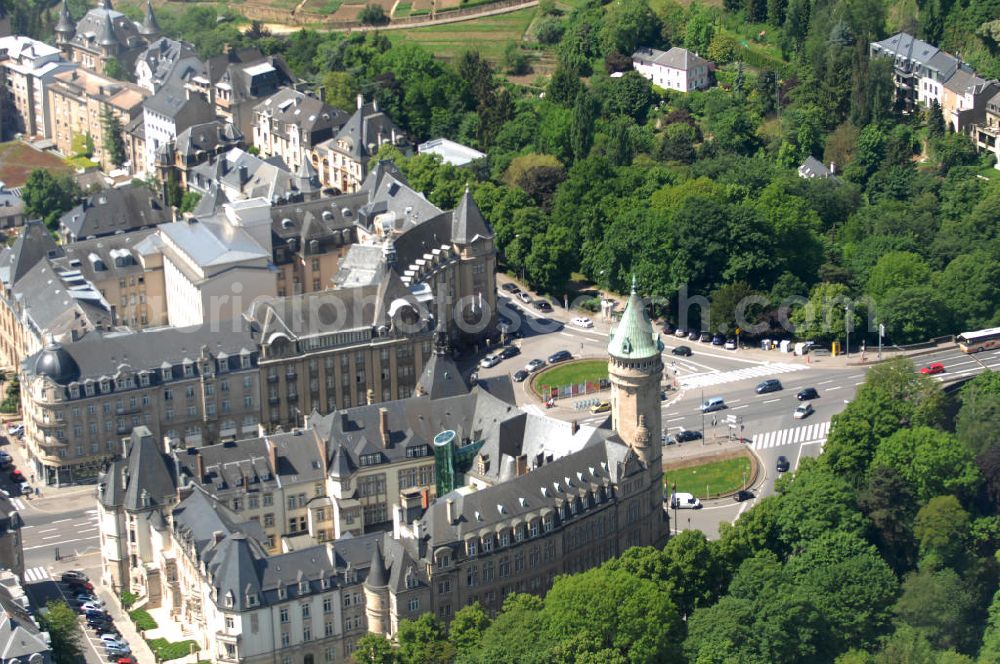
[[718, 474], [571, 379]]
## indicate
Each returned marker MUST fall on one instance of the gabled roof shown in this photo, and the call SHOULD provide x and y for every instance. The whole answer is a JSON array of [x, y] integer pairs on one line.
[[115, 210], [675, 58], [813, 168], [33, 244]]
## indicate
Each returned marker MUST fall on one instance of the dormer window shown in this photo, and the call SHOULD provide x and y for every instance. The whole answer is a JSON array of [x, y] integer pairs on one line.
[[229, 600], [505, 538], [188, 369], [251, 599], [88, 388], [166, 373], [471, 548], [74, 391], [282, 593], [303, 587], [105, 385], [487, 543], [245, 360], [144, 379]]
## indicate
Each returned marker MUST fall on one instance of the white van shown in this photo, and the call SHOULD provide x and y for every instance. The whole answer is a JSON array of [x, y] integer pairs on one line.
[[715, 403], [684, 501]]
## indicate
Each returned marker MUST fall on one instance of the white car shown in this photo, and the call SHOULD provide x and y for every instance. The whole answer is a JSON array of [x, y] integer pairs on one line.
[[534, 365], [730, 344], [15, 429], [582, 321], [489, 361], [803, 411], [684, 501]]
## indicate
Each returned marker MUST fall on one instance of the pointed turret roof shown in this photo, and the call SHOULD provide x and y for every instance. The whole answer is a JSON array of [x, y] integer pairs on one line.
[[634, 338], [441, 378], [376, 574], [65, 26], [32, 245], [149, 27], [468, 222], [108, 36]]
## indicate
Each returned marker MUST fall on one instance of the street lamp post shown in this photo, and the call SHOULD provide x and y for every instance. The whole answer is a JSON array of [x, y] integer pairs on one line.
[[881, 333]]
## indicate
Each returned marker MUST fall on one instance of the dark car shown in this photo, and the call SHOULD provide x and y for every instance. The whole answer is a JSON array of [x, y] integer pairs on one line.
[[511, 288], [770, 385], [694, 335], [681, 350], [718, 340], [740, 496], [783, 464], [807, 394], [74, 576], [520, 376], [509, 352], [684, 436], [705, 337], [16, 477], [96, 614], [560, 356], [667, 327], [542, 305]]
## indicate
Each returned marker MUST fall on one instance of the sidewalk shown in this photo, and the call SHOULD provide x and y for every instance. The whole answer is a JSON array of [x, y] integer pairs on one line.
[[140, 649]]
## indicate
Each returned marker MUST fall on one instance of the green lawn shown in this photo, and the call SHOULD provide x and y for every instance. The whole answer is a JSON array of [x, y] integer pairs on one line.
[[573, 374], [709, 479], [142, 620], [489, 35], [166, 650]]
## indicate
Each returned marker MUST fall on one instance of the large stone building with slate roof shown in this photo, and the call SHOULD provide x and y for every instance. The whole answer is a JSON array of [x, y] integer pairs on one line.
[[104, 34], [113, 211], [342, 161], [290, 124], [294, 544]]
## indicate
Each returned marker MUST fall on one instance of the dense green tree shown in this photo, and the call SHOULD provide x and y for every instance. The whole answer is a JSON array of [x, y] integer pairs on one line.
[[60, 621], [990, 650], [373, 15], [953, 150], [585, 112], [914, 314], [677, 143], [340, 90], [989, 467], [699, 29], [816, 501], [970, 284], [950, 623], [696, 570], [564, 85], [935, 121], [630, 95], [628, 24], [114, 142], [887, 500], [933, 462], [48, 196], [423, 641], [900, 269], [823, 317], [466, 628], [942, 530]]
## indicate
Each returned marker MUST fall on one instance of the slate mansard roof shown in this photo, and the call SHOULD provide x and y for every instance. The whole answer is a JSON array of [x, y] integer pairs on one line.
[[115, 210]]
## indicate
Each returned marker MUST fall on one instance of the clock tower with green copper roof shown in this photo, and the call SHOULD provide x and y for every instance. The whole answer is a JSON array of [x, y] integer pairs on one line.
[[635, 368]]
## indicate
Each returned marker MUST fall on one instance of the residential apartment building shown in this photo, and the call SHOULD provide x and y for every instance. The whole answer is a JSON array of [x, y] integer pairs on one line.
[[342, 161], [78, 101], [965, 98], [27, 67], [11, 208], [196, 145], [167, 113], [239, 175], [986, 134], [40, 301], [113, 211], [21, 639], [291, 124], [192, 385], [104, 34], [517, 499], [166, 60], [677, 69]]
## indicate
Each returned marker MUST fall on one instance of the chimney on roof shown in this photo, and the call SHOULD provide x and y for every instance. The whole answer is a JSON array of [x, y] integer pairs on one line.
[[199, 464], [383, 426], [449, 506], [425, 498], [246, 483], [272, 456], [218, 536], [244, 174]]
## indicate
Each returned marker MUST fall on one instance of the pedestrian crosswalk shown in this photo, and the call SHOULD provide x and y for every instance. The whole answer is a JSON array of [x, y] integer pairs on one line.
[[807, 433], [36, 574], [709, 378], [18, 504]]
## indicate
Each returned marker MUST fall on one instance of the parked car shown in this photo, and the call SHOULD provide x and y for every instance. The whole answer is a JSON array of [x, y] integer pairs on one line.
[[15, 429], [681, 350], [542, 305], [932, 369], [681, 332], [524, 297], [521, 376], [117, 649], [705, 337], [26, 489], [96, 613], [713, 404], [684, 501], [86, 597], [717, 340], [74, 576], [730, 344], [769, 385], [603, 407], [560, 356], [509, 352], [89, 606], [807, 394], [511, 288], [582, 321], [110, 638], [683, 436], [489, 361], [667, 327], [803, 411], [534, 365], [783, 464], [740, 496], [693, 335]]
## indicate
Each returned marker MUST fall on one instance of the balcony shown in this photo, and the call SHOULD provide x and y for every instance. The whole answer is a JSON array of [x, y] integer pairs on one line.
[[291, 375], [272, 378], [274, 401]]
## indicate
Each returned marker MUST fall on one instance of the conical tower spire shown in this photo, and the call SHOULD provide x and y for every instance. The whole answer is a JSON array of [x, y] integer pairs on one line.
[[108, 36], [149, 29], [65, 28], [634, 337]]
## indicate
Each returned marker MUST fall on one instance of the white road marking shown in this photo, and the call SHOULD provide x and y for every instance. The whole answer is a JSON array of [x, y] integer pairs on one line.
[[746, 405], [721, 377], [51, 537], [831, 389], [804, 435], [772, 400], [36, 574]]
